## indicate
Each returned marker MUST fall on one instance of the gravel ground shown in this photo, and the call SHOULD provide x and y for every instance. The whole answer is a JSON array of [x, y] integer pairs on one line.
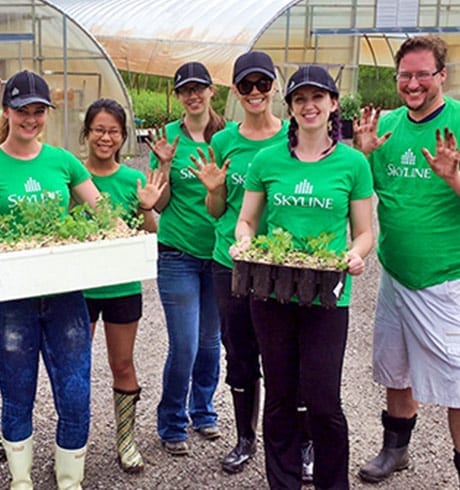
[[431, 463]]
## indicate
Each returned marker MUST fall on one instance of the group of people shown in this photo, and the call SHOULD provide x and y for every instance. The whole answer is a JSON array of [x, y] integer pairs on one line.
[[216, 185]]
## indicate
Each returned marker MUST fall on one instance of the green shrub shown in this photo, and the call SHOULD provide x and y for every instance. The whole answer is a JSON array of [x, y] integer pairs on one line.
[[377, 86], [154, 108], [349, 106]]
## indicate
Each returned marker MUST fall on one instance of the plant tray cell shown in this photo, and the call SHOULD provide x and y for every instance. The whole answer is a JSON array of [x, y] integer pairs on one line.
[[74, 267], [241, 278], [262, 280]]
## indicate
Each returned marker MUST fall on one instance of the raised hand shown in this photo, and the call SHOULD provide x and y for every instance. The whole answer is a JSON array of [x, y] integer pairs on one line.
[[365, 130], [209, 173], [158, 143], [150, 194], [447, 157]]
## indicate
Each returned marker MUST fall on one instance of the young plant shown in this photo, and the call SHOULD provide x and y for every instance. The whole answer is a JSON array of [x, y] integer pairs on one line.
[[31, 225]]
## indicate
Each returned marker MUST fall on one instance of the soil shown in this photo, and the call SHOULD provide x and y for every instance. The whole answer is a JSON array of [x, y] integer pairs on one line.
[[430, 468]]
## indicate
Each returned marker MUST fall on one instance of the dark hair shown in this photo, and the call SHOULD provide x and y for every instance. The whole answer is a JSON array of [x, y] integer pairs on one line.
[[334, 128], [424, 43], [113, 108]]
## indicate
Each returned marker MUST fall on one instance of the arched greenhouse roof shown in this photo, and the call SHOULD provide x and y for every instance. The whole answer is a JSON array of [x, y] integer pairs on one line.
[[37, 35], [156, 37]]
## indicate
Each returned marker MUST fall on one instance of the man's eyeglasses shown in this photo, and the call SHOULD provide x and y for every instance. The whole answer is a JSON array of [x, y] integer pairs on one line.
[[420, 76], [263, 85], [113, 133], [188, 90]]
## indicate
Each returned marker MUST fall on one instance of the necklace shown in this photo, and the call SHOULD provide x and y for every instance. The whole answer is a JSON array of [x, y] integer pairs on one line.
[[321, 155]]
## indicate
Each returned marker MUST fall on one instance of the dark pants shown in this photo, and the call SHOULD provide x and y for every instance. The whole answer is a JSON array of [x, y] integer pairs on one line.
[[302, 354], [238, 336]]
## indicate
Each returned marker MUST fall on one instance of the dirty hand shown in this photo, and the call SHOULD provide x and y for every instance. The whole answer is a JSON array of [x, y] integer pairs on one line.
[[207, 171], [365, 136], [158, 143], [446, 159]]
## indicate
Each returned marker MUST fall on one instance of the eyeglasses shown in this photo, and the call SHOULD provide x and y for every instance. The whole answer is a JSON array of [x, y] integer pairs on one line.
[[263, 85], [99, 132], [420, 76], [188, 90]]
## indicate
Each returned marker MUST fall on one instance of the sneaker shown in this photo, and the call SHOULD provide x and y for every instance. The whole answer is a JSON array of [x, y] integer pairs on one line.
[[308, 458], [179, 448], [209, 433]]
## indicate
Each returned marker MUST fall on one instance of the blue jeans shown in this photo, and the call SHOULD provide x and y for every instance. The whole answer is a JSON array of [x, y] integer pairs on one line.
[[58, 328], [191, 371]]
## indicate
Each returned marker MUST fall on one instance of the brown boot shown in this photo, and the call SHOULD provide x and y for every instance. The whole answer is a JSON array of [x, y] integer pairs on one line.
[[394, 455]]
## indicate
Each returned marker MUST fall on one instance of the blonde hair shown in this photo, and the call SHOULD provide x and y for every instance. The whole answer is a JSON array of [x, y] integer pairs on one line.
[[4, 129]]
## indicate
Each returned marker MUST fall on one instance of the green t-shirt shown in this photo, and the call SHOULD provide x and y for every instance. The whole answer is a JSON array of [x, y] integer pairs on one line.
[[122, 188], [185, 223], [419, 214], [309, 198], [51, 174], [231, 144]]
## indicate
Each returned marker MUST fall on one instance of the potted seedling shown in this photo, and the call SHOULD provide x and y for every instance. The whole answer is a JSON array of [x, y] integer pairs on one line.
[[43, 252], [272, 265], [349, 108]]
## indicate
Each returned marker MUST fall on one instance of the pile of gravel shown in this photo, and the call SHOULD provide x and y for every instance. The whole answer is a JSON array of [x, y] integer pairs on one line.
[[431, 463]]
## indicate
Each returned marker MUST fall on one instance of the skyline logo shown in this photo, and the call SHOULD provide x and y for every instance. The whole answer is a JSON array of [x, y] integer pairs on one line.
[[303, 187], [408, 158], [32, 185]]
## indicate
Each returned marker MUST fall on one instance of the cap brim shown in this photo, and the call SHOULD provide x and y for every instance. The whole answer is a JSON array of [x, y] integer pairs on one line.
[[310, 84], [192, 79], [18, 103], [248, 71]]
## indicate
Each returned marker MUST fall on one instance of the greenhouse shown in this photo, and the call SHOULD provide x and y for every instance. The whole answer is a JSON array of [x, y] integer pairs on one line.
[[142, 36], [36, 35]]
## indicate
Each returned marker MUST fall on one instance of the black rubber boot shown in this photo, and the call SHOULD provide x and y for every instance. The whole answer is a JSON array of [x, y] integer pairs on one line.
[[457, 461], [246, 405], [394, 455]]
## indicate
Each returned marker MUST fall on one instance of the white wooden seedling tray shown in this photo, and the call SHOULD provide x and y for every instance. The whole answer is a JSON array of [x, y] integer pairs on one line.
[[74, 267]]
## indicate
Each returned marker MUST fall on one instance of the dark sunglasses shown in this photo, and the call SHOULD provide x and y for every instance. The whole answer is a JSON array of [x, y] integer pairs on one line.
[[263, 85]]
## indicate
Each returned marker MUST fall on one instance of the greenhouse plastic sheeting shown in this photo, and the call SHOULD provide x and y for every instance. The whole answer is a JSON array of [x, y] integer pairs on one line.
[[38, 36]]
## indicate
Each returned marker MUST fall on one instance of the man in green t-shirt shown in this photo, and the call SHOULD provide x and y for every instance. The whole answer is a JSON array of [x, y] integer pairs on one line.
[[415, 164]]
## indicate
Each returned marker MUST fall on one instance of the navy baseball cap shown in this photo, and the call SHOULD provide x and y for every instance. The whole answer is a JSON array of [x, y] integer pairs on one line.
[[253, 62], [192, 72], [310, 75], [24, 88]]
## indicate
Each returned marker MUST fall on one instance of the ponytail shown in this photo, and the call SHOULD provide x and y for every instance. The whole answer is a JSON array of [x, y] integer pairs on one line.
[[215, 123]]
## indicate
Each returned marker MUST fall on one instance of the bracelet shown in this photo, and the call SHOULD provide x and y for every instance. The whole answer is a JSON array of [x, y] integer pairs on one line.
[[146, 209]]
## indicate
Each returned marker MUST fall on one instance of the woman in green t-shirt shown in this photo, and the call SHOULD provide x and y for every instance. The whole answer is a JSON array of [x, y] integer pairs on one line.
[[254, 84], [186, 242], [53, 327], [104, 130], [307, 184]]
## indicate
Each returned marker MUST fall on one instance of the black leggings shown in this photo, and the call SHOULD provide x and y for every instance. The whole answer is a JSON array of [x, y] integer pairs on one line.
[[302, 354], [238, 337]]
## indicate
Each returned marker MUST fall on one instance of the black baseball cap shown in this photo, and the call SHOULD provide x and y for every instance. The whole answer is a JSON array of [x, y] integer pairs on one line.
[[253, 62], [192, 72], [310, 75], [26, 87]]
